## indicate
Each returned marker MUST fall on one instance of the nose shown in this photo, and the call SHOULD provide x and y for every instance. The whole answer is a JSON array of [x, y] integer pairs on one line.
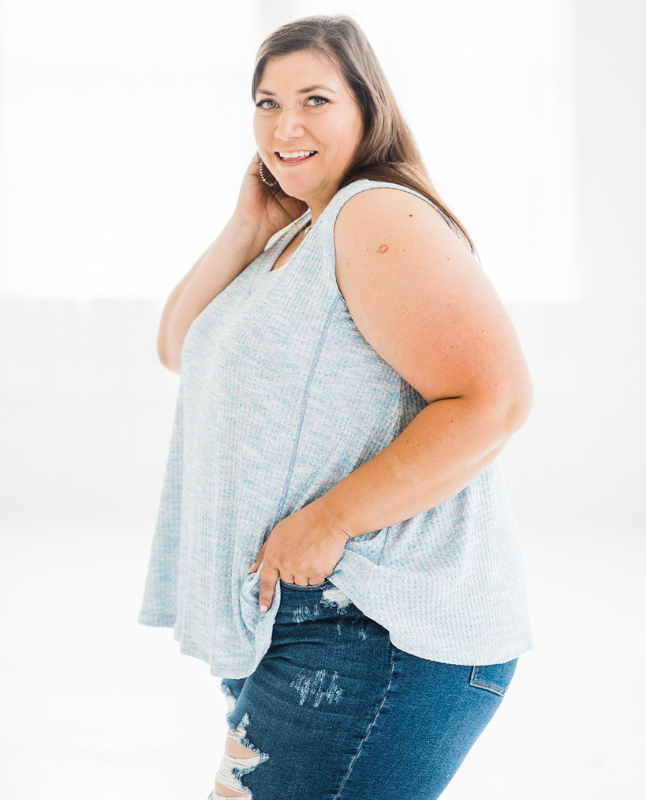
[[289, 125]]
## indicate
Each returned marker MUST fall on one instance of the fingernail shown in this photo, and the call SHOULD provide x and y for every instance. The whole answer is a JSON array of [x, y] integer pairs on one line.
[[263, 609]]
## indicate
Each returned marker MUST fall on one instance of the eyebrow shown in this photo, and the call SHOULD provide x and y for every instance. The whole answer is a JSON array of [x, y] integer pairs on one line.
[[300, 91]]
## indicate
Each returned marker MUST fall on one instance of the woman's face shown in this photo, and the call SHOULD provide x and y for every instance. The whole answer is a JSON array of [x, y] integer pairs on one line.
[[302, 104]]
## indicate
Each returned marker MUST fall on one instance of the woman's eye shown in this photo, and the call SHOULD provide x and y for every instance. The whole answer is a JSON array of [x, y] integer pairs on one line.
[[261, 103]]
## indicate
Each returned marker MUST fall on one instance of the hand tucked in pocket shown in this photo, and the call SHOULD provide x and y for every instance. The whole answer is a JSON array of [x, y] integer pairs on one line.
[[304, 548]]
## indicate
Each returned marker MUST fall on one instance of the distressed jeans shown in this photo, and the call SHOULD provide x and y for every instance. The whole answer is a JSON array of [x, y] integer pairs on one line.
[[334, 711]]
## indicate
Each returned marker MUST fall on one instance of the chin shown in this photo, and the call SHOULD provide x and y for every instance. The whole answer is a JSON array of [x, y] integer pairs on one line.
[[298, 189]]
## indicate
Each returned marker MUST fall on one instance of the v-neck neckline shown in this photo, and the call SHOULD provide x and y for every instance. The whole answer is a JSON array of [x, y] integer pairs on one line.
[[271, 271]]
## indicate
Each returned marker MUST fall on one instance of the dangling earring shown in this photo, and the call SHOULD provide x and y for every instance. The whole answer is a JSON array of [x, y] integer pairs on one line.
[[262, 176]]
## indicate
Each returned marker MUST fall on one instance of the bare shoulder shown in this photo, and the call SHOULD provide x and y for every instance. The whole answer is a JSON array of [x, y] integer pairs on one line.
[[408, 221], [384, 234], [386, 240], [419, 296]]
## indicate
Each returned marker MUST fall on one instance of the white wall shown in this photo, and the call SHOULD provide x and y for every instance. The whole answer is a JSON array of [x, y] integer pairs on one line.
[[580, 458]]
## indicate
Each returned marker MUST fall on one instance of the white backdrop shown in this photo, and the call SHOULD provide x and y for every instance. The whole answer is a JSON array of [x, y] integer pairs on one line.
[[125, 129]]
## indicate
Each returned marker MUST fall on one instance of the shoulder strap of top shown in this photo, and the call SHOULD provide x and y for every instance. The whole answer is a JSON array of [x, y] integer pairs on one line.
[[331, 211], [299, 223], [343, 195]]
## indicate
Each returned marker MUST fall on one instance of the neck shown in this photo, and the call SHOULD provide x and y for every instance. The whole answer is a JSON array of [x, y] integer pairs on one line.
[[317, 204]]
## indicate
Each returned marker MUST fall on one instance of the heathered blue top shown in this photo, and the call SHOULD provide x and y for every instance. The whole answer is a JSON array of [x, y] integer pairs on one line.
[[281, 397]]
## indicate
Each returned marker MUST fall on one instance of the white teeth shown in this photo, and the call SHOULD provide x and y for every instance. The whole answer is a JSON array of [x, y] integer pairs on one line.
[[300, 154]]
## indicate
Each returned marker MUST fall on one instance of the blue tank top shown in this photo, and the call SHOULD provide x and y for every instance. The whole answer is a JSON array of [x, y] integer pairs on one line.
[[280, 397]]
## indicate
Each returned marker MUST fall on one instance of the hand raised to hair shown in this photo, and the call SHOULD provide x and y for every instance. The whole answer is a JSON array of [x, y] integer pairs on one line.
[[256, 207]]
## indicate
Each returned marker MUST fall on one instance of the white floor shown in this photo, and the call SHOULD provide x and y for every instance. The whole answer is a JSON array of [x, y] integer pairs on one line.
[[94, 705]]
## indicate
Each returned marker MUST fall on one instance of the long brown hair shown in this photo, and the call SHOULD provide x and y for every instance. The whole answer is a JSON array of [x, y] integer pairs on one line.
[[387, 151]]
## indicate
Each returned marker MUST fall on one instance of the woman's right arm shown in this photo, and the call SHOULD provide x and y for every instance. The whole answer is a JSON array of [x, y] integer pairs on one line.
[[256, 218], [234, 249]]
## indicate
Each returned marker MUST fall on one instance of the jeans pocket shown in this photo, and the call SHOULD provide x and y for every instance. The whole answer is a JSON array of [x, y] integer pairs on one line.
[[493, 677], [323, 585]]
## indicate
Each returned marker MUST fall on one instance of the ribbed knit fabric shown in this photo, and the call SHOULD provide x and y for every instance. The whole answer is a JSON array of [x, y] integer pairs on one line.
[[281, 397]]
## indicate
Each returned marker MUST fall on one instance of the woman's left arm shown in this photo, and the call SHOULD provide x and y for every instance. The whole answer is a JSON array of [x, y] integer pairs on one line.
[[422, 301]]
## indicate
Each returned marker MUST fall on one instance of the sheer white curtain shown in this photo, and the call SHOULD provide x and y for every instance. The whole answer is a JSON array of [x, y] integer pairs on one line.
[[125, 126]]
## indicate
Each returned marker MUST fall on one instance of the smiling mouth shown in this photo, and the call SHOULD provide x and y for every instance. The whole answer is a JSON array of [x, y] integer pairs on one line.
[[297, 159]]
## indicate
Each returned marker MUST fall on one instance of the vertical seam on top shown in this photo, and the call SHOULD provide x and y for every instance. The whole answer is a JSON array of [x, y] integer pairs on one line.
[[306, 395], [367, 733]]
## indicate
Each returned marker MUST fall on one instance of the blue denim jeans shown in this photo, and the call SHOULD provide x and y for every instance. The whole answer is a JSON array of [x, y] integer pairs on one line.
[[334, 711]]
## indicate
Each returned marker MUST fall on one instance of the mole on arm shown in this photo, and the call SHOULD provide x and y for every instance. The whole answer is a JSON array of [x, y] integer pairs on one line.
[[383, 248]]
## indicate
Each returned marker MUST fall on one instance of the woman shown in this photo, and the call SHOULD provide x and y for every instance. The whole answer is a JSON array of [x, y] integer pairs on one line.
[[334, 537]]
